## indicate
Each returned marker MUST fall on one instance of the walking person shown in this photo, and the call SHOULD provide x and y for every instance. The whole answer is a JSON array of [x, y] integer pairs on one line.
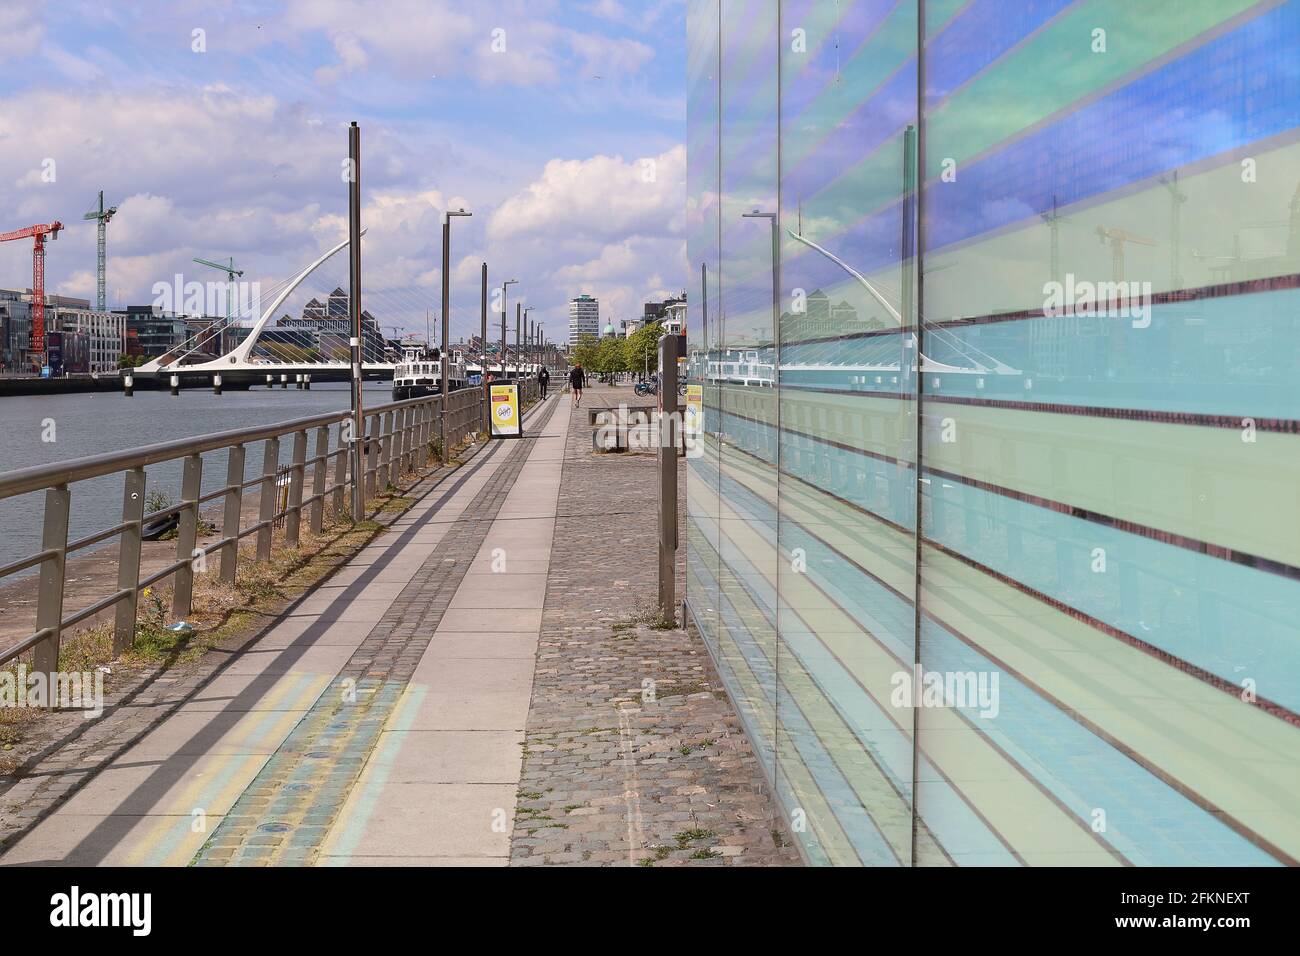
[[543, 379], [577, 379]]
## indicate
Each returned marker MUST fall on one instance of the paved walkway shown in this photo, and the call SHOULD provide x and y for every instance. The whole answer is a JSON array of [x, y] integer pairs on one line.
[[383, 720]]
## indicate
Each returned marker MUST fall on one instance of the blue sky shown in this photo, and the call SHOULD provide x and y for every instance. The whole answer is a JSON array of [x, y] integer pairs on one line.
[[218, 128]]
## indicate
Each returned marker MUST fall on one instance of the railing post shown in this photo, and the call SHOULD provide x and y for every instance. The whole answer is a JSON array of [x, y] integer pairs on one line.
[[49, 603], [385, 476], [128, 561], [410, 435], [266, 512], [232, 514], [341, 470], [317, 519], [426, 432], [429, 457], [187, 534], [372, 457], [400, 423], [297, 474]]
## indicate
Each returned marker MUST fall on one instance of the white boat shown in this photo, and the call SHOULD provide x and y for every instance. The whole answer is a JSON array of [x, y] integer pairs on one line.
[[419, 373]]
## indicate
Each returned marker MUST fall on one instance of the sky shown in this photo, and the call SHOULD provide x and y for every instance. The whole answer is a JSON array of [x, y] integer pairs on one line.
[[219, 129]]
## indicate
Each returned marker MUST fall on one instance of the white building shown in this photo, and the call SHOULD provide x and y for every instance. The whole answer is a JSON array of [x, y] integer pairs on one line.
[[584, 318], [674, 320], [105, 332]]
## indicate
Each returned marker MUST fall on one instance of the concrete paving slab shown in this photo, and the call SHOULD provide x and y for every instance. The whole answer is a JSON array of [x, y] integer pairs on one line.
[[453, 756], [437, 820], [483, 644], [492, 619]]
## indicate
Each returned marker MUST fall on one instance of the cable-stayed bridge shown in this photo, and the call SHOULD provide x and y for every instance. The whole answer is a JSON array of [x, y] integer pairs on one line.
[[260, 354]]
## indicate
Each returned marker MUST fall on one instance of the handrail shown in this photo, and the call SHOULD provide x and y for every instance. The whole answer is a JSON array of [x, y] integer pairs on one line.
[[399, 437], [26, 480]]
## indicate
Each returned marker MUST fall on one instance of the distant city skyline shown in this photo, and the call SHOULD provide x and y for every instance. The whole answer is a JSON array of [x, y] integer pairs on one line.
[[219, 133]]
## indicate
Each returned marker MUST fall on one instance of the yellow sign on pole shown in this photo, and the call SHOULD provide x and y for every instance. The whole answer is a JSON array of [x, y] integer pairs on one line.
[[693, 418], [504, 399]]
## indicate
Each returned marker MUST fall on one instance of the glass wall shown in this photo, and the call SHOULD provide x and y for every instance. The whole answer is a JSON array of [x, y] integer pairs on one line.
[[994, 533]]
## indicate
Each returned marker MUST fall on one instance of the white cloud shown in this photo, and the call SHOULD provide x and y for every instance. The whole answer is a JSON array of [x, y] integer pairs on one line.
[[21, 29], [602, 197]]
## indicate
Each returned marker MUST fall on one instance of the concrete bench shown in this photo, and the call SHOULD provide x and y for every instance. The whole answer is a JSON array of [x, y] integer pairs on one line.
[[609, 416]]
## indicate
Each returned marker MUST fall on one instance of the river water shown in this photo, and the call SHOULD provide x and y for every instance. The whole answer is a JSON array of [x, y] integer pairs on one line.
[[92, 423]]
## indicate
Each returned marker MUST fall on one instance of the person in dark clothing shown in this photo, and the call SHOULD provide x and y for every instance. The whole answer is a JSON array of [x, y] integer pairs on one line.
[[543, 379], [577, 379]]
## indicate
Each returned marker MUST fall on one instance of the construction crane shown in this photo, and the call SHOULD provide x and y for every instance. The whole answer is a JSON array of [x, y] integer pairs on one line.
[[230, 271], [37, 233], [1053, 220], [101, 217], [1117, 238]]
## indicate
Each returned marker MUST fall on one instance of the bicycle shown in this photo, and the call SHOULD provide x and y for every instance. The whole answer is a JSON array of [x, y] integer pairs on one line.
[[645, 388]]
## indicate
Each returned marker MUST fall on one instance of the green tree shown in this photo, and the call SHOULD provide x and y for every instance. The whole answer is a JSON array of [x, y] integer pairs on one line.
[[642, 348], [611, 355], [587, 352]]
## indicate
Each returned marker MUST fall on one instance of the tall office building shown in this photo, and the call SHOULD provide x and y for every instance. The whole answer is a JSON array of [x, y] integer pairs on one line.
[[584, 318]]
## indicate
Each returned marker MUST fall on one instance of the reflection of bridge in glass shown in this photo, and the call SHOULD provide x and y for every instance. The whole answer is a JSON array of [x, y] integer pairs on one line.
[[248, 360], [821, 363]]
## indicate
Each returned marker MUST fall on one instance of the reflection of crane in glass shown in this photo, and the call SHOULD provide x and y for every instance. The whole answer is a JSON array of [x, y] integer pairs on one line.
[[1053, 219], [1176, 199], [1117, 238]]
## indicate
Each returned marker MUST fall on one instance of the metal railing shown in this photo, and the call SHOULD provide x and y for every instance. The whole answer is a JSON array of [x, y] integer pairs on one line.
[[400, 439]]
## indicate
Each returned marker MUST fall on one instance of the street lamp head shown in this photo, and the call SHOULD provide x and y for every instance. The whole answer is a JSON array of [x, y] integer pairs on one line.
[[456, 212]]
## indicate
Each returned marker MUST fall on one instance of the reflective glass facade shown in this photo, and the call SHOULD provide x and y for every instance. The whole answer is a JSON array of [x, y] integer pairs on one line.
[[995, 529]]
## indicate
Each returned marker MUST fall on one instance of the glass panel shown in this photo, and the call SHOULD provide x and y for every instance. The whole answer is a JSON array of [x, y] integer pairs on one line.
[[1110, 452], [702, 326], [847, 425], [747, 568]]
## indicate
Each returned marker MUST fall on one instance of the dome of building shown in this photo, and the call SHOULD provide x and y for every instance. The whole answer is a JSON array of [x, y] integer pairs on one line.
[[609, 329]]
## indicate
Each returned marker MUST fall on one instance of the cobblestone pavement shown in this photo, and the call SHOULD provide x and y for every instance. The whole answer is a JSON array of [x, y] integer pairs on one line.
[[634, 754], [285, 815]]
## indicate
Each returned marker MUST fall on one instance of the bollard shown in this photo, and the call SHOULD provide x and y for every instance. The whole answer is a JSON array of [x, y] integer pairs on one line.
[[270, 381], [284, 381], [306, 382], [176, 384], [128, 385], [297, 380], [216, 384]]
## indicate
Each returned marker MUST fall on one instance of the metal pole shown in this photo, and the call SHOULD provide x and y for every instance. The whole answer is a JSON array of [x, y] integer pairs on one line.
[[669, 350], [354, 307], [482, 343], [519, 311], [443, 366]]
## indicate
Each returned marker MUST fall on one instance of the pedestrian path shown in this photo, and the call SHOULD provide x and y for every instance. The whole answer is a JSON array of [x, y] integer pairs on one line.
[[380, 721]]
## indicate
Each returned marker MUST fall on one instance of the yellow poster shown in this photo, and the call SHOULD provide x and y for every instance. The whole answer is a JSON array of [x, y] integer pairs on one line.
[[693, 420], [505, 410]]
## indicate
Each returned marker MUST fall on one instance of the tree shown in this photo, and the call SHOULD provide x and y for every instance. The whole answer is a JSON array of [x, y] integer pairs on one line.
[[611, 356], [586, 353], [643, 348]]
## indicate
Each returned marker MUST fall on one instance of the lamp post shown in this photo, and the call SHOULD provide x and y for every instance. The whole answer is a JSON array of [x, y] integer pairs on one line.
[[482, 365], [446, 325], [504, 285], [528, 338], [354, 307], [776, 287]]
